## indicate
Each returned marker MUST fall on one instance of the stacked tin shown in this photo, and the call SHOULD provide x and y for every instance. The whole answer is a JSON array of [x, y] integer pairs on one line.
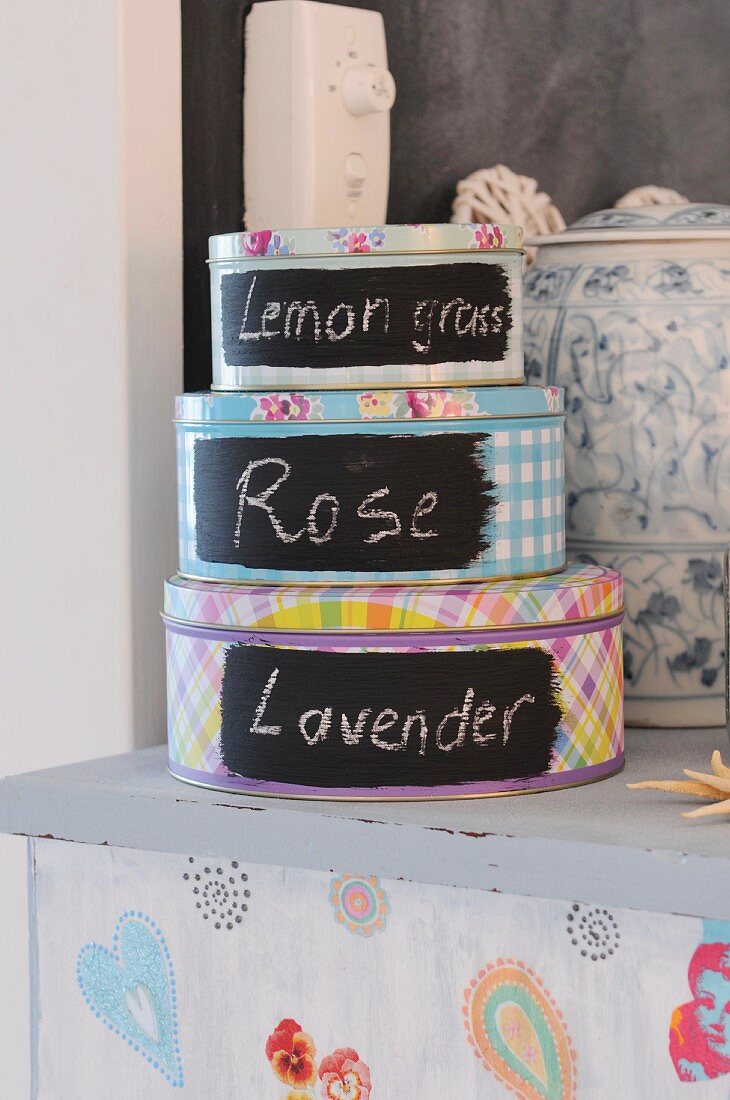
[[373, 599]]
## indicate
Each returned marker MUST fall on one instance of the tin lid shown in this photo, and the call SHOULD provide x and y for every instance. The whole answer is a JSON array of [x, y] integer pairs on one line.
[[365, 240], [666, 222], [579, 594], [492, 402]]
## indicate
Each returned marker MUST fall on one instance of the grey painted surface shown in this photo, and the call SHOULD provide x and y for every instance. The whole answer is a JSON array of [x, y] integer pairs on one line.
[[590, 98], [33, 970], [600, 843]]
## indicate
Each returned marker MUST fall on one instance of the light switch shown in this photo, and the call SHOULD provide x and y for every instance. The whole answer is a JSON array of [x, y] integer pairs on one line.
[[317, 97], [355, 171]]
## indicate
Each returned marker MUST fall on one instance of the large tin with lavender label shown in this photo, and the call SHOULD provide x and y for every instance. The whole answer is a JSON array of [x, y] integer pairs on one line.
[[383, 306], [396, 692], [375, 486]]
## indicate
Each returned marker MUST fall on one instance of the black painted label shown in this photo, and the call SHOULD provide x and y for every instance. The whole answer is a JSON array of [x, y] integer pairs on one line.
[[329, 317], [388, 719], [344, 502]]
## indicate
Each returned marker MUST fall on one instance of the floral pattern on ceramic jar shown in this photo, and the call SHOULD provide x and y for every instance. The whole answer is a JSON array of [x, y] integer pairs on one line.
[[630, 311]]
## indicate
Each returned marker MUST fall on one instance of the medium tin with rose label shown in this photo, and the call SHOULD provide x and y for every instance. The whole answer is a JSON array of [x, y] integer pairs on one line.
[[382, 306], [396, 692], [374, 486]]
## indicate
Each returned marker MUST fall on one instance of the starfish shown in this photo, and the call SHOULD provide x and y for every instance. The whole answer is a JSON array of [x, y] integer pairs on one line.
[[715, 788]]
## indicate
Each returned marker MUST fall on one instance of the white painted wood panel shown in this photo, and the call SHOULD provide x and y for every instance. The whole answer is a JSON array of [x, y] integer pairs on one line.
[[378, 966], [90, 327]]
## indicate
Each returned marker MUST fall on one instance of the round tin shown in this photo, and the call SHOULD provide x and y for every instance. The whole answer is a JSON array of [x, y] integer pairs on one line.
[[396, 693], [391, 486], [379, 306]]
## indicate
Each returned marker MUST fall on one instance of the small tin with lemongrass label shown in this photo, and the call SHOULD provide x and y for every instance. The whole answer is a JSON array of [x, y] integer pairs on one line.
[[383, 306], [371, 486], [396, 693]]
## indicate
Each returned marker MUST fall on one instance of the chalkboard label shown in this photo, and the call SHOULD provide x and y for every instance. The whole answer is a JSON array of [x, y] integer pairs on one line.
[[335, 317], [344, 502], [374, 719]]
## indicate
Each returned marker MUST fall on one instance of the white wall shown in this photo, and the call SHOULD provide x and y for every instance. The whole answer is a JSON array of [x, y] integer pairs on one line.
[[91, 353]]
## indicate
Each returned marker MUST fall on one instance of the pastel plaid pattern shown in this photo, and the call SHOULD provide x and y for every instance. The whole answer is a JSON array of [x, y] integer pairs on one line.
[[592, 676], [580, 592], [194, 677], [526, 537], [588, 665]]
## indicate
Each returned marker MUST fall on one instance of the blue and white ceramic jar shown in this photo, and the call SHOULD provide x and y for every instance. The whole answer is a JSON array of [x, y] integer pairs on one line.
[[629, 309]]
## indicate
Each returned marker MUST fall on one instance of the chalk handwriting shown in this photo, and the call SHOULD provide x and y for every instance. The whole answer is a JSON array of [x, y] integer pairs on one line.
[[325, 502], [304, 317], [465, 721], [354, 714]]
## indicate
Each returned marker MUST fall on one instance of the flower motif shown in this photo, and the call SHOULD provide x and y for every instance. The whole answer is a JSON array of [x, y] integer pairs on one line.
[[299, 1094], [286, 406], [280, 246], [376, 237], [375, 403], [338, 237], [255, 244], [428, 403], [546, 286], [291, 1054], [704, 575], [660, 609], [672, 279], [344, 1077], [360, 904], [488, 236], [357, 242], [605, 280]]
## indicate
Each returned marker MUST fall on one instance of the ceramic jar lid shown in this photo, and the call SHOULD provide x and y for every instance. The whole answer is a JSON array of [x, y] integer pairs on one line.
[[365, 240], [680, 221], [580, 593]]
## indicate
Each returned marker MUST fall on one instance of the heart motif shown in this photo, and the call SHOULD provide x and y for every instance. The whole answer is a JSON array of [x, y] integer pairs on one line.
[[132, 989], [516, 1029], [142, 1011]]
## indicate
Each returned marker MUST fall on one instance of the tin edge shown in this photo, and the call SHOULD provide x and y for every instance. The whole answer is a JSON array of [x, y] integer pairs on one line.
[[374, 582], [608, 620], [607, 769]]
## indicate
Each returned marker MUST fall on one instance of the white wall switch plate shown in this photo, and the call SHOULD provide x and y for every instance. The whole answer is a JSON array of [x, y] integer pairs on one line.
[[317, 99]]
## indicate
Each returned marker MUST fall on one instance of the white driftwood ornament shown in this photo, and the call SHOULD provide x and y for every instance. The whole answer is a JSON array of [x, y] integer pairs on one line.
[[490, 194], [499, 194]]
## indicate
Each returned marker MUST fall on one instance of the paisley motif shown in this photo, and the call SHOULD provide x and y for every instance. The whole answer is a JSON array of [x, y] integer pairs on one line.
[[516, 1029]]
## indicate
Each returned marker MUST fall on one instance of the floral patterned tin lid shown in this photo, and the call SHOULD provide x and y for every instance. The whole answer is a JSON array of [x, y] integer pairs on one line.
[[580, 593], [366, 239], [491, 402], [675, 221]]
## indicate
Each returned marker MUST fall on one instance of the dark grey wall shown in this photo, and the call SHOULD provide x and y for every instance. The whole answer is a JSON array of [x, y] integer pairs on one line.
[[589, 97]]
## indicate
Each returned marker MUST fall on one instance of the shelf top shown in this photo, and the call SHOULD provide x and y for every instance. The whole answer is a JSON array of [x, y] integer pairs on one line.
[[601, 843]]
